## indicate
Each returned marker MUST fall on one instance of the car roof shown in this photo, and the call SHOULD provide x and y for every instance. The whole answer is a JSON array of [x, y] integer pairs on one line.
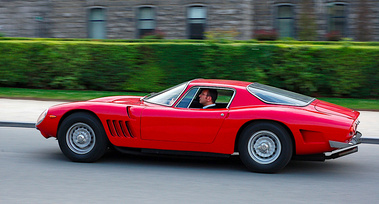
[[220, 82]]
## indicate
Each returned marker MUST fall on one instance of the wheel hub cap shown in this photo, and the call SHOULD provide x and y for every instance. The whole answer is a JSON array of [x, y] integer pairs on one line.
[[264, 147], [80, 138]]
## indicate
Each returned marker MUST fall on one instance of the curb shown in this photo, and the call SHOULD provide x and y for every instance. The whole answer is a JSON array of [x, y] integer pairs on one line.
[[370, 140], [17, 124]]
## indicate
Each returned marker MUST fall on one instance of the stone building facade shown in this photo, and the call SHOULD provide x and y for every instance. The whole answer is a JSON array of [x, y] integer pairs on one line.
[[184, 19]]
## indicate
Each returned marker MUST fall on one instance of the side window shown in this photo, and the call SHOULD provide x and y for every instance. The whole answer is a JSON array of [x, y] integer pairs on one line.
[[191, 99], [224, 96], [187, 99]]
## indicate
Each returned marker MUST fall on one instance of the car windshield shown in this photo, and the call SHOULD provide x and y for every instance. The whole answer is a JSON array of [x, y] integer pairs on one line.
[[269, 94], [168, 96]]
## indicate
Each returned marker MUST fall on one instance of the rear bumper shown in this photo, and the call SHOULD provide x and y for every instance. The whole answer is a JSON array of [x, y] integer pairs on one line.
[[344, 149], [339, 145]]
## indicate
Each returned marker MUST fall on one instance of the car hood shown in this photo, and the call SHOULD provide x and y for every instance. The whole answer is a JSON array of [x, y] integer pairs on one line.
[[332, 109], [127, 100]]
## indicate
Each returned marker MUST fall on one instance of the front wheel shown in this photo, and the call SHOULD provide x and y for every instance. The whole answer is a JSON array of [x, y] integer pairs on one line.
[[265, 147], [82, 138]]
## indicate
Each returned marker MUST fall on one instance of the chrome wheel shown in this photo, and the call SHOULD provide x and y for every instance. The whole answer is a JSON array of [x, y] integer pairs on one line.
[[80, 138], [264, 147]]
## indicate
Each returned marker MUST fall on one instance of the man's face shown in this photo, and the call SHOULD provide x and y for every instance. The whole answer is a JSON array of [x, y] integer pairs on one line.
[[203, 97]]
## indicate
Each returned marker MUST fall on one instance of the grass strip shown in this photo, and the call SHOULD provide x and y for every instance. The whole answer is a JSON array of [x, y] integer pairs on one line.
[[353, 103], [69, 95]]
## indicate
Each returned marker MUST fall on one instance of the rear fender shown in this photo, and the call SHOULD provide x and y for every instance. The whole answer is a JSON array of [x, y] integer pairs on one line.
[[263, 121]]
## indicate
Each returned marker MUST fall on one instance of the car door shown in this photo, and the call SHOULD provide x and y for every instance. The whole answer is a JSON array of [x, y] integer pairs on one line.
[[181, 124]]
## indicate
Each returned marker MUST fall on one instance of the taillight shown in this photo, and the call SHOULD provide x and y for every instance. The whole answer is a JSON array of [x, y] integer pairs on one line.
[[351, 131], [353, 128]]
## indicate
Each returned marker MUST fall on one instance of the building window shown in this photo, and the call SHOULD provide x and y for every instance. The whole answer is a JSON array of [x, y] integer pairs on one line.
[[146, 21], [337, 19], [196, 17], [41, 31], [97, 23], [285, 21]]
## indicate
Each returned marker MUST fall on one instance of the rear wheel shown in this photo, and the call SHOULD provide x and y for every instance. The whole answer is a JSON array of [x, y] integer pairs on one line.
[[82, 138], [265, 147]]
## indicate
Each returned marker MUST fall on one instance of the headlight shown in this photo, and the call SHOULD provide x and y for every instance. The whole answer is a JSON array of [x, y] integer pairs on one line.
[[41, 117]]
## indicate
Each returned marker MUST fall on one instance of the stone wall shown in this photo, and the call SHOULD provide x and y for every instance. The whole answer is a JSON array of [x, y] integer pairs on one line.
[[24, 18], [69, 18]]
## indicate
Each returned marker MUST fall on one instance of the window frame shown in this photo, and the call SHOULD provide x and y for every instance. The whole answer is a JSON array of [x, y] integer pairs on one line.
[[282, 93], [146, 98], [293, 18], [90, 21], [188, 19], [138, 19], [330, 17], [205, 87]]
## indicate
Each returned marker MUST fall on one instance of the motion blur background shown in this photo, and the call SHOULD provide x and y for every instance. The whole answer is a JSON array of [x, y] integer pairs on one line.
[[315, 47], [189, 19]]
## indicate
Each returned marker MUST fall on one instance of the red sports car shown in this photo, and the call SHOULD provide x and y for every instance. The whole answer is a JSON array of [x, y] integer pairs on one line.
[[266, 126]]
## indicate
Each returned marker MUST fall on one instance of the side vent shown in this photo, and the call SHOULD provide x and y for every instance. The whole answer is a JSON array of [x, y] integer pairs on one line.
[[128, 111], [119, 128]]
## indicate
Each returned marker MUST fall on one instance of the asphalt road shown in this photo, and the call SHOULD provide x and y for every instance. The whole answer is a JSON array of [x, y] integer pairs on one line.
[[33, 170]]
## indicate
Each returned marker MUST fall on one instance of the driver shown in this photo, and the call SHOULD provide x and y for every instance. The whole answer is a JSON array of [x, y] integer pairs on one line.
[[208, 97]]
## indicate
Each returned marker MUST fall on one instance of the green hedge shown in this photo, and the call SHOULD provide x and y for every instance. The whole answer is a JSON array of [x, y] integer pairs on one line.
[[317, 70]]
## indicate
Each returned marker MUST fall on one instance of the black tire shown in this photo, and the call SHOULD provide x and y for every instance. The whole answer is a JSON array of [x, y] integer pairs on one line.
[[82, 138], [265, 147]]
